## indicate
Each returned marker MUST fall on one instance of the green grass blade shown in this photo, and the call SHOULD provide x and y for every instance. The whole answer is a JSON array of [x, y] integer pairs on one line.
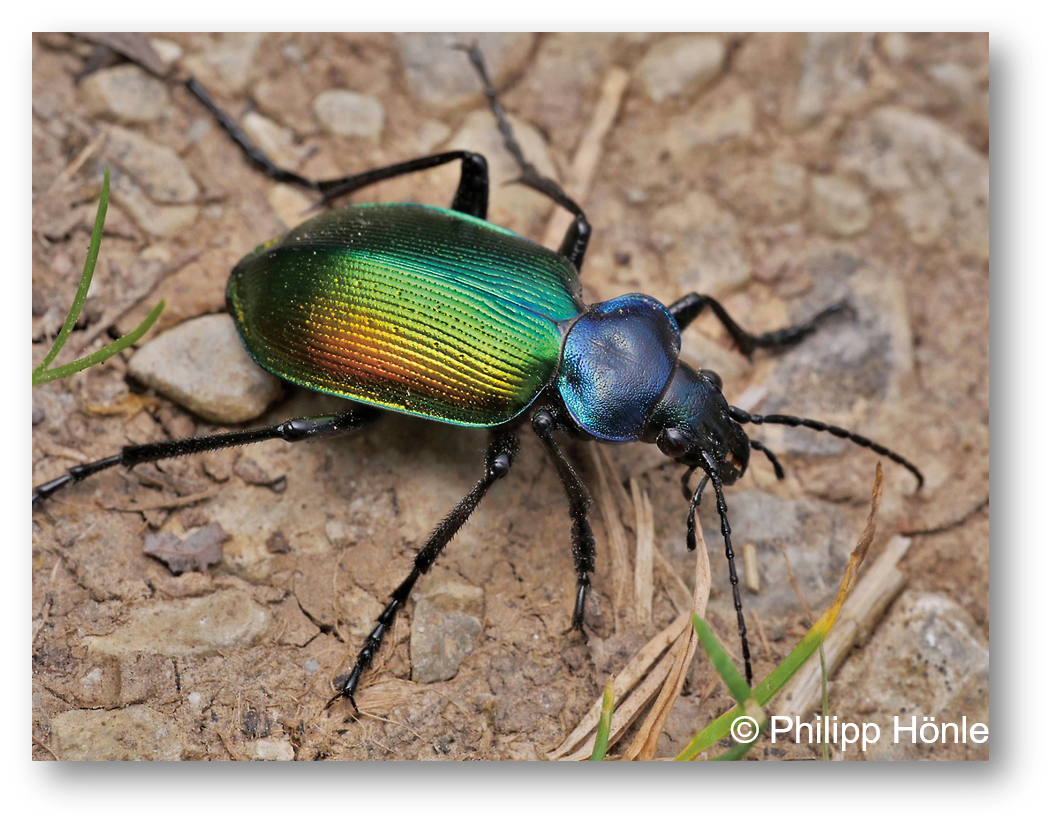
[[765, 691], [600, 747], [722, 662], [82, 289], [42, 376], [767, 688]]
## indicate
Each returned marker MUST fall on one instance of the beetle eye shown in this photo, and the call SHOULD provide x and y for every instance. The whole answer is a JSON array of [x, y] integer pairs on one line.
[[712, 376], [673, 443]]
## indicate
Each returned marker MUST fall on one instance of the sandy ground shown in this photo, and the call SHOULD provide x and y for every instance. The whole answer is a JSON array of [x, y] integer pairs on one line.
[[777, 172]]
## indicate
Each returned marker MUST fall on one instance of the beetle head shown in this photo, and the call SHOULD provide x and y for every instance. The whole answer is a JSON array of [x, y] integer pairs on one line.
[[691, 424]]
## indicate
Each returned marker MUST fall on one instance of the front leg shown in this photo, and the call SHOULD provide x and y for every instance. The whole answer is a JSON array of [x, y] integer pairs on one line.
[[687, 309]]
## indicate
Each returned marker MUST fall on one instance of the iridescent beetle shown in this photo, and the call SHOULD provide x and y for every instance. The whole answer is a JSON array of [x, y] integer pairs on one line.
[[439, 314]]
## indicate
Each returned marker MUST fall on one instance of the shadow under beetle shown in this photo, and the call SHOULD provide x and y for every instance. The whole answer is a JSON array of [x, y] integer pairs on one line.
[[439, 314]]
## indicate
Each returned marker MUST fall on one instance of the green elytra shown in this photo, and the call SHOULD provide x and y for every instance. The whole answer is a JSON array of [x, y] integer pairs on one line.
[[413, 308]]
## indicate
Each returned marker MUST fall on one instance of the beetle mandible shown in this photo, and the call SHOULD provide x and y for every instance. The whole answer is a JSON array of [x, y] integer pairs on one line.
[[439, 314]]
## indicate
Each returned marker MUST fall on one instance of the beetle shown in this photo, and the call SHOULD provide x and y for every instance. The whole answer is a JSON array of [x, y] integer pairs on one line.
[[439, 314]]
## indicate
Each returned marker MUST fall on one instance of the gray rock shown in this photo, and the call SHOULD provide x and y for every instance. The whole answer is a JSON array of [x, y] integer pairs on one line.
[[723, 116], [839, 207], [290, 204], [430, 134], [853, 366], [133, 733], [732, 120], [162, 221], [151, 184], [701, 245], [276, 749], [814, 535], [277, 142], [195, 552], [440, 640], [514, 207], [349, 114], [832, 67], [202, 365], [939, 183], [441, 75], [680, 66], [157, 169], [770, 191], [167, 50], [895, 47], [445, 628], [226, 65], [125, 92], [198, 626], [927, 658], [956, 78], [563, 80]]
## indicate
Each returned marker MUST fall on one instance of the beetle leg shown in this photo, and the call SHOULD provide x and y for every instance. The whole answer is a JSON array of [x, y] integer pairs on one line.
[[253, 154], [687, 309], [500, 456], [583, 547], [291, 430], [473, 189], [714, 473], [472, 192], [576, 240]]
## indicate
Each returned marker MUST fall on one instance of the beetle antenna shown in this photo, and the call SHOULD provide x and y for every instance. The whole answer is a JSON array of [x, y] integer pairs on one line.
[[776, 466], [714, 473], [743, 417]]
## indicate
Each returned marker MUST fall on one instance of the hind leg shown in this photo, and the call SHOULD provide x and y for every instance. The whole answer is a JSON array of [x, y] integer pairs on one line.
[[291, 430], [576, 240]]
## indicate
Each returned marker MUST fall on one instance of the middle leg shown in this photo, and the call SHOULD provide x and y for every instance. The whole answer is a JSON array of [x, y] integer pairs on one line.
[[583, 546], [500, 456]]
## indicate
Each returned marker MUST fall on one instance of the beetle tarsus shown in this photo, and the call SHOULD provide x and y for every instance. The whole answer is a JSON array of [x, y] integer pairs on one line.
[[578, 616]]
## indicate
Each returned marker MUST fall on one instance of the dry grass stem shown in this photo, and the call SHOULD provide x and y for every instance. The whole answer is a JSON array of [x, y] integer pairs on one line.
[[644, 564], [616, 536], [750, 567]]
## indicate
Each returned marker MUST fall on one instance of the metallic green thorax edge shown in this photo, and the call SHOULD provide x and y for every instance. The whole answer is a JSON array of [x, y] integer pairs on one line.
[[417, 309]]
